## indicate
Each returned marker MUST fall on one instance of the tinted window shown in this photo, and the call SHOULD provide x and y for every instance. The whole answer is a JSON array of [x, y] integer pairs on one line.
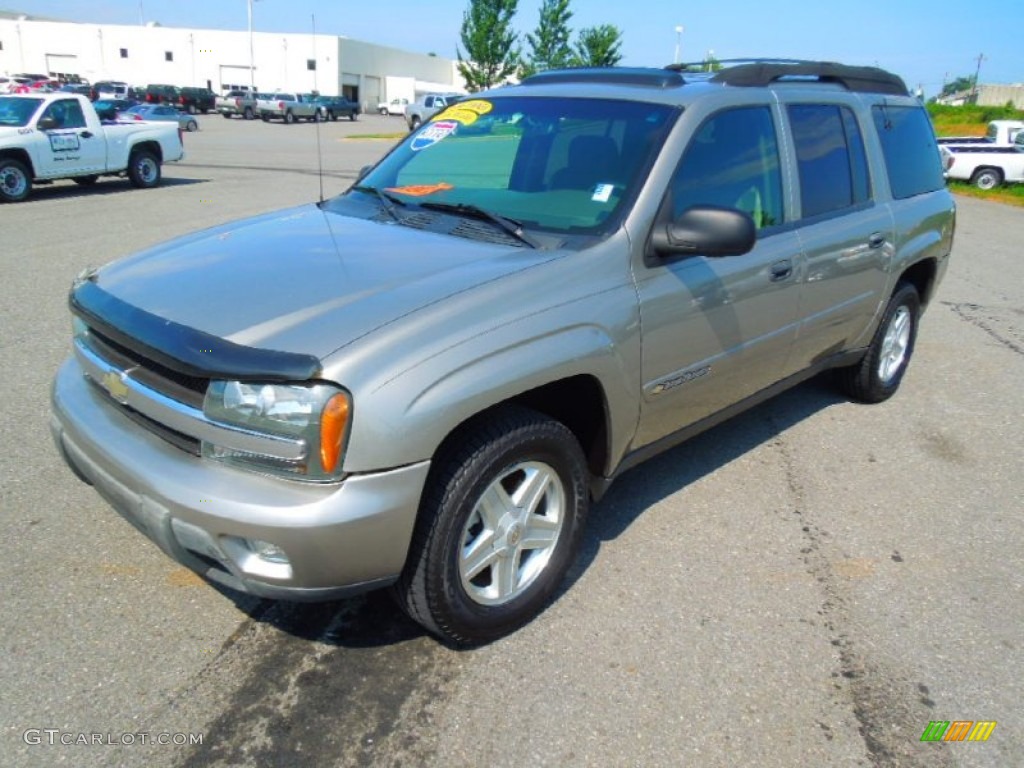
[[908, 145], [830, 158], [733, 161]]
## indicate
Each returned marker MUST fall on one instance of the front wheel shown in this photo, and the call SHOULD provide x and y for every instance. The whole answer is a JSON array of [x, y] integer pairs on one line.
[[987, 178], [143, 169], [499, 525], [878, 375], [247, 114], [15, 181], [414, 123], [353, 116], [192, 126]]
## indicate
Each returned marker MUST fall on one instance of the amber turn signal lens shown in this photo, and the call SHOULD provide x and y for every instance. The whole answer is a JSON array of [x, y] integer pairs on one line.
[[332, 431]]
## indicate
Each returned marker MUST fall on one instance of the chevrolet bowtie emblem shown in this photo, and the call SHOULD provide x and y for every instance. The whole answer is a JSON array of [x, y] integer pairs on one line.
[[114, 383]]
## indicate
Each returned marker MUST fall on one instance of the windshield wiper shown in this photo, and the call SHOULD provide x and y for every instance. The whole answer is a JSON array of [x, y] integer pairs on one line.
[[511, 226], [387, 202]]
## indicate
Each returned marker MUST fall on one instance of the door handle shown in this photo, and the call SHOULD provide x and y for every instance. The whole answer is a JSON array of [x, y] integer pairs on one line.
[[876, 240], [86, 134], [780, 270]]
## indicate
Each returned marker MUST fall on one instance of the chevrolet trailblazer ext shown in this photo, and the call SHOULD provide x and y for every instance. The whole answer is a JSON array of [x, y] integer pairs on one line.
[[424, 382]]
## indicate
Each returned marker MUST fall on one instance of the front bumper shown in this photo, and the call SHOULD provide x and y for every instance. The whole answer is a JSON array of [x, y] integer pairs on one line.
[[339, 538]]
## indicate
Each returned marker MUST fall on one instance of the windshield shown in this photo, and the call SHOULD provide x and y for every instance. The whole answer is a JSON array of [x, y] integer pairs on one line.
[[554, 164], [17, 112]]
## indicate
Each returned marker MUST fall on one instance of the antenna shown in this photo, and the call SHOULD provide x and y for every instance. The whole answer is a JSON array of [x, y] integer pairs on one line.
[[316, 119]]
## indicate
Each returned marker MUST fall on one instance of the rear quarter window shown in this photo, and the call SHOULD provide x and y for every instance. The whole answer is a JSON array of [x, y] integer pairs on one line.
[[908, 145]]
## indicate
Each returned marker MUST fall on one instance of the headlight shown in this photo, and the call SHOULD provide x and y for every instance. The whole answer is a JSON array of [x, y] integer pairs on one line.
[[315, 414]]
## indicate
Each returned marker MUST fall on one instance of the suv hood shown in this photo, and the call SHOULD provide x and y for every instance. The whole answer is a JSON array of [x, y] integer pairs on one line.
[[305, 280]]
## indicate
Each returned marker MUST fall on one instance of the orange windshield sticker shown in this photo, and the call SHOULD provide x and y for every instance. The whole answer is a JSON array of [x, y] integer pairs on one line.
[[421, 190]]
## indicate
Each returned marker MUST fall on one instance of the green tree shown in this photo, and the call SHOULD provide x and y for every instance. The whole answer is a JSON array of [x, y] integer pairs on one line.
[[549, 45], [490, 43], [962, 83], [598, 46]]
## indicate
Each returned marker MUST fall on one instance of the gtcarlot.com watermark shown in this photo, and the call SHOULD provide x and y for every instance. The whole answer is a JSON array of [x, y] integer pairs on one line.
[[54, 736]]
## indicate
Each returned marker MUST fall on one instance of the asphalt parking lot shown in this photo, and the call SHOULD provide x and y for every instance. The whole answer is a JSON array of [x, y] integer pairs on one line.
[[809, 584]]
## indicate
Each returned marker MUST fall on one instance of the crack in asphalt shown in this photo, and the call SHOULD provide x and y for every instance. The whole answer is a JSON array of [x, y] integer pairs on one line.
[[884, 706], [984, 318]]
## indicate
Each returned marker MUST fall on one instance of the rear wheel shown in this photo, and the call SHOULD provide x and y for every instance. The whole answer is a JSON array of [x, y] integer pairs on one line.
[[987, 178], [192, 126], [15, 180], [878, 375], [191, 109], [247, 114], [289, 117], [143, 169], [414, 123], [353, 116], [500, 523]]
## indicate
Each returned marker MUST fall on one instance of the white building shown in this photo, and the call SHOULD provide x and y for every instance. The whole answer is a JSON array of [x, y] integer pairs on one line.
[[217, 59]]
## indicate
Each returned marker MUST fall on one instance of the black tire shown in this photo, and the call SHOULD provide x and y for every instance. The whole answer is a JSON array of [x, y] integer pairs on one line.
[[289, 117], [248, 114], [86, 181], [414, 123], [143, 169], [512, 449], [987, 178], [384, 112], [15, 180], [353, 116], [191, 109], [878, 375], [225, 115], [192, 126], [265, 118]]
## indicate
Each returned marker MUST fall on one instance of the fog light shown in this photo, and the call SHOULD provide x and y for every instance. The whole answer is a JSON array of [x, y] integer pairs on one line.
[[267, 551]]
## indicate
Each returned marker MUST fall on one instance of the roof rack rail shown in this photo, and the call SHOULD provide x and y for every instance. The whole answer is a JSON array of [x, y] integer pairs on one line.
[[762, 72], [652, 78]]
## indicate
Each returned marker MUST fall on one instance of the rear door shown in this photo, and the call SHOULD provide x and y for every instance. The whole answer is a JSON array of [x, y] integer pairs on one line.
[[847, 238]]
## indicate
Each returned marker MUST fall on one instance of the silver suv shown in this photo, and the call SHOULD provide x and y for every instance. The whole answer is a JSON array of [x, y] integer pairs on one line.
[[538, 289]]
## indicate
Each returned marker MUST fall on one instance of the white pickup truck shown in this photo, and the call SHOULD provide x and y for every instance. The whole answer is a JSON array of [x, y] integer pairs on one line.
[[49, 136], [985, 166]]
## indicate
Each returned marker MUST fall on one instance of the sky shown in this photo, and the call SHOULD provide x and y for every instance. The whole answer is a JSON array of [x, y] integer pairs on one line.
[[924, 41]]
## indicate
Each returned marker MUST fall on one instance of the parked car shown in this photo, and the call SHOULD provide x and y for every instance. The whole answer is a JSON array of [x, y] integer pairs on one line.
[[425, 382], [333, 107], [161, 113], [194, 100], [288, 107], [393, 107], [109, 109], [111, 89], [79, 88], [44, 137], [985, 166], [161, 94], [425, 107], [237, 103]]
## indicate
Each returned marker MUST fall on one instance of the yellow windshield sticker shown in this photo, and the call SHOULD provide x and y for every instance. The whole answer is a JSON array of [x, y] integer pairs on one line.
[[421, 190], [465, 112]]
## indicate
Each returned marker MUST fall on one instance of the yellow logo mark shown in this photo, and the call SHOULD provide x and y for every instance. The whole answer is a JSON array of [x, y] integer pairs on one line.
[[113, 382]]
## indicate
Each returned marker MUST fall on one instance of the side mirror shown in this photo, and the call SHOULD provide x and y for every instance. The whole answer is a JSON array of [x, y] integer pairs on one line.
[[47, 123], [706, 230], [363, 171]]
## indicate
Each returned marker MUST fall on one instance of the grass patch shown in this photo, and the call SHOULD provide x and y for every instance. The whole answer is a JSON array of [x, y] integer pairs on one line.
[[1011, 195], [968, 120]]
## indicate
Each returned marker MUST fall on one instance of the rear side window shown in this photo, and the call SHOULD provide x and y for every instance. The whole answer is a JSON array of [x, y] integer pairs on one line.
[[830, 158], [908, 145]]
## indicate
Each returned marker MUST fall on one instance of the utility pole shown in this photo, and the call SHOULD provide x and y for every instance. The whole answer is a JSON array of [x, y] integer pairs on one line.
[[252, 66], [977, 71]]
